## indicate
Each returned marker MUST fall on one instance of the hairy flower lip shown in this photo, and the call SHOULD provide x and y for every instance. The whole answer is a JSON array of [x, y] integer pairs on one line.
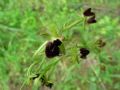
[[57, 42], [84, 52], [52, 48], [91, 20], [88, 12], [91, 16]]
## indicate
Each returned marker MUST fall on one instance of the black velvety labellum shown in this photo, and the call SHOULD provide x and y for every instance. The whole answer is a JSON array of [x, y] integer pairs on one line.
[[52, 48], [91, 16], [57, 42], [84, 52], [91, 20], [88, 12]]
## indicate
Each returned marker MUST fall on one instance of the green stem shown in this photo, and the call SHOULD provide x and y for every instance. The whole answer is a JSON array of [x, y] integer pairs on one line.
[[39, 49], [72, 24], [83, 33]]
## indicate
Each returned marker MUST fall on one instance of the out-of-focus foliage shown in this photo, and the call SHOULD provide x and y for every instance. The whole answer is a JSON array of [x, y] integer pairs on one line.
[[26, 25]]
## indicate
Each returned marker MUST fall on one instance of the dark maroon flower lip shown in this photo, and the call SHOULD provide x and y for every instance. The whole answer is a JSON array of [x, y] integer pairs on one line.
[[88, 12], [52, 48], [91, 20], [57, 42], [91, 16], [84, 52]]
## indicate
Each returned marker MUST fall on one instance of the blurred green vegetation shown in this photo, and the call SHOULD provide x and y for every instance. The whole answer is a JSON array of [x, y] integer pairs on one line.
[[25, 25]]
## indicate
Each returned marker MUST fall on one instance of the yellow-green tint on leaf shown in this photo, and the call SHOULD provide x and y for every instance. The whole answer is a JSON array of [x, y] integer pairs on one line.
[[36, 84], [53, 30], [103, 31], [62, 48], [118, 33]]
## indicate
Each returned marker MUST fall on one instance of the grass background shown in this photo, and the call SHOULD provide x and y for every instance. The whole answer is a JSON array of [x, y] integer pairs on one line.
[[26, 24]]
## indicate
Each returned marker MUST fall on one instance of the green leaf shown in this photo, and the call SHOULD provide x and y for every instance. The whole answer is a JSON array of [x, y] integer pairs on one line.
[[62, 48]]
